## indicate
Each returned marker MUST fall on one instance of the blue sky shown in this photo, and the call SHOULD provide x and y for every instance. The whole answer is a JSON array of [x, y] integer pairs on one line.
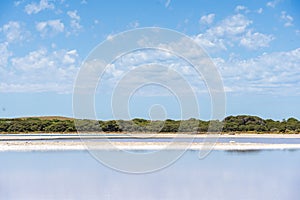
[[254, 44]]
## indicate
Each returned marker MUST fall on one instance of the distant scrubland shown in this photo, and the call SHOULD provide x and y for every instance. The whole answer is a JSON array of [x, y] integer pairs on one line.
[[241, 123]]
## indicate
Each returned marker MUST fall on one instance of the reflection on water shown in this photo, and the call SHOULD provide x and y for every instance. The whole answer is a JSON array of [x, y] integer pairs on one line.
[[221, 175], [244, 151]]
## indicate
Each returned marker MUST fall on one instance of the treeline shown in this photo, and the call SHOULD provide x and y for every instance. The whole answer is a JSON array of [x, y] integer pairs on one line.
[[241, 123]]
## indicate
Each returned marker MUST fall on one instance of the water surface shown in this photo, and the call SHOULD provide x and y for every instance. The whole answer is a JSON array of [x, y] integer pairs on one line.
[[222, 175]]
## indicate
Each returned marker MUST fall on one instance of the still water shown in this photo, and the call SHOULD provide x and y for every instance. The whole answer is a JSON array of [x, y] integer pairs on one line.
[[221, 175]]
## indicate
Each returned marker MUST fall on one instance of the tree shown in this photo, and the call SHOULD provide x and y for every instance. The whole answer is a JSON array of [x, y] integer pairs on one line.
[[111, 126]]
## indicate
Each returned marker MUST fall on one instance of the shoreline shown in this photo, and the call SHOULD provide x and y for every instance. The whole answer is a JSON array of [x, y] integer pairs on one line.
[[31, 142], [124, 146]]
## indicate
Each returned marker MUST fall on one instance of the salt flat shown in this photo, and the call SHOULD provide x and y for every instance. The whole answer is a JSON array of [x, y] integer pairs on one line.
[[47, 142]]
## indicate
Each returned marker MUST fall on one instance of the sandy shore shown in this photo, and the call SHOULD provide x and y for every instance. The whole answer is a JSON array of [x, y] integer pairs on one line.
[[74, 146], [47, 142]]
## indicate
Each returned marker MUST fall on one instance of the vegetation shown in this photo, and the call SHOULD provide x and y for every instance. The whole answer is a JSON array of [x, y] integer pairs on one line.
[[241, 123]]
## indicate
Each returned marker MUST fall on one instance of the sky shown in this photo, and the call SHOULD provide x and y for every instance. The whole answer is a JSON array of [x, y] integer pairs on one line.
[[255, 46]]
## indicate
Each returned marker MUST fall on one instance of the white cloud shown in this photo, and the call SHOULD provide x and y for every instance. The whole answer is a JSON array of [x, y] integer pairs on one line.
[[50, 27], [134, 24], [34, 60], [17, 3], [255, 40], [273, 3], [110, 37], [34, 87], [75, 19], [70, 57], [41, 59], [260, 10], [241, 8], [233, 25], [219, 36], [276, 73], [34, 8], [73, 15], [230, 31], [210, 42], [207, 19], [159, 62], [14, 31], [288, 20], [41, 71], [116, 73], [5, 54]]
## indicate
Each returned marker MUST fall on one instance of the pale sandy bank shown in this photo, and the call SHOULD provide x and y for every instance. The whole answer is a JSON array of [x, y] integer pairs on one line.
[[73, 146]]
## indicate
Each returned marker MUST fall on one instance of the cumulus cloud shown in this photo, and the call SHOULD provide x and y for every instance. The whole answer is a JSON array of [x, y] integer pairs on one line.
[[110, 37], [270, 73], [230, 31], [134, 24], [232, 25], [146, 66], [50, 27], [41, 71], [34, 8], [73, 15], [217, 37], [41, 59], [272, 4], [17, 3], [288, 20], [14, 31], [276, 73], [75, 21], [260, 10], [70, 57], [5, 54], [255, 40], [241, 8], [207, 19], [34, 87]]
